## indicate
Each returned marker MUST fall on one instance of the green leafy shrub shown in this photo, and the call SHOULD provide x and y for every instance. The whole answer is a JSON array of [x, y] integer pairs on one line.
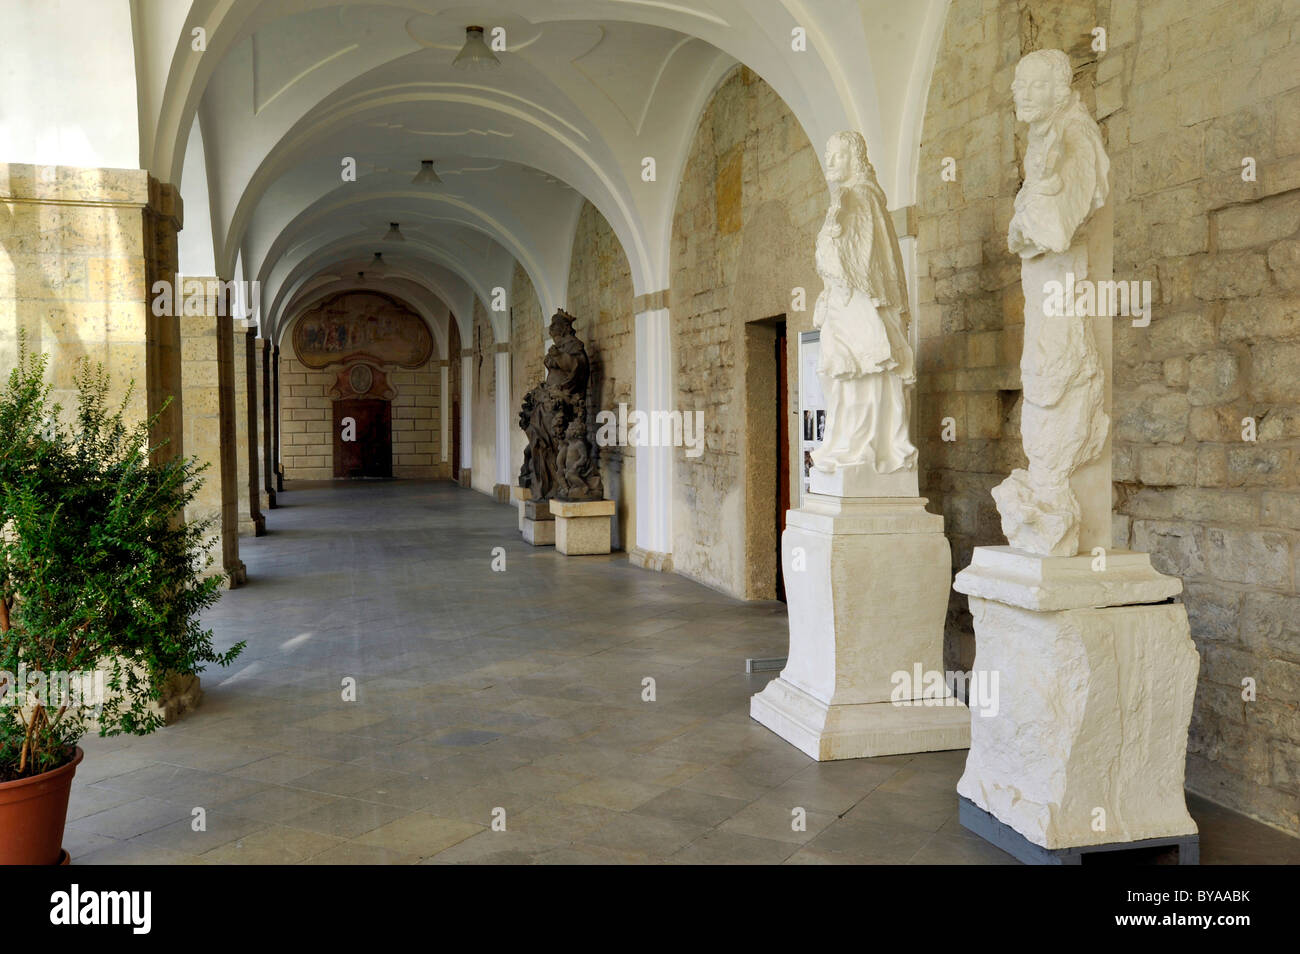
[[99, 572]]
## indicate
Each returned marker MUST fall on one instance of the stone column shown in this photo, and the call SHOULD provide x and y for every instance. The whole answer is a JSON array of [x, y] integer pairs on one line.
[[501, 490], [208, 384], [466, 415], [162, 220], [265, 348], [248, 443], [654, 464], [275, 420], [236, 572]]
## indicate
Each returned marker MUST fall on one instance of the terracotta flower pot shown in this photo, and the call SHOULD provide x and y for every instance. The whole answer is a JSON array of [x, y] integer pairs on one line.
[[32, 813]]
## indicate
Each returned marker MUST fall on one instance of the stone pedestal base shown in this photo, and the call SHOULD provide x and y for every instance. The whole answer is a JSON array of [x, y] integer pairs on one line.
[[869, 729], [535, 520], [863, 482], [540, 533], [866, 581], [1187, 848], [582, 527], [236, 574], [650, 560], [1088, 739]]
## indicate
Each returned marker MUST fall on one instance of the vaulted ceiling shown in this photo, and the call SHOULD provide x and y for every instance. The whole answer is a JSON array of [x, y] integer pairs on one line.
[[259, 127]]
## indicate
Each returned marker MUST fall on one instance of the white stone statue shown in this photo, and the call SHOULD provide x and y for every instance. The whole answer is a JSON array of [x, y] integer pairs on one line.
[[866, 361], [1065, 166], [1063, 417]]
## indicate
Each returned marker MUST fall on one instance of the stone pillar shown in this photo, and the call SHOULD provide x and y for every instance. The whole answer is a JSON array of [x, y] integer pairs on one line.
[[236, 572], [501, 490], [208, 384], [275, 419], [654, 465], [466, 415], [162, 220], [264, 349], [250, 463]]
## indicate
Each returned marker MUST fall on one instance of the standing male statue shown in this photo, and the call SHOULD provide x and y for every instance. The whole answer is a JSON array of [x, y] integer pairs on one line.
[[1063, 417]]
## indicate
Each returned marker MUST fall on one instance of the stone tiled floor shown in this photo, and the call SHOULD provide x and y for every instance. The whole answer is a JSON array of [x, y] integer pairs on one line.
[[481, 691]]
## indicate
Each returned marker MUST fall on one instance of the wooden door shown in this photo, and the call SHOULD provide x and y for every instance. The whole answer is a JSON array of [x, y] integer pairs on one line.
[[363, 438], [782, 451]]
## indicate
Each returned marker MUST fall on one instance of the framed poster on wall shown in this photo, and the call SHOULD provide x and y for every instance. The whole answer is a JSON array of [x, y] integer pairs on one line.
[[812, 406]]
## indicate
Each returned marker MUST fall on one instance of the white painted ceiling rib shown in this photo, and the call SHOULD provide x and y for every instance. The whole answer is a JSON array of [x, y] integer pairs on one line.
[[586, 91]]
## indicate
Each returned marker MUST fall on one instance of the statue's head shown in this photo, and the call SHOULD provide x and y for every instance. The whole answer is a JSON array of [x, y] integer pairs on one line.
[[1042, 83], [561, 325], [846, 159], [574, 431]]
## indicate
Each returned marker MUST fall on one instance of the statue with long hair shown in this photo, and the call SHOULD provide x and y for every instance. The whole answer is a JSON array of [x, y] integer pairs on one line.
[[866, 363]]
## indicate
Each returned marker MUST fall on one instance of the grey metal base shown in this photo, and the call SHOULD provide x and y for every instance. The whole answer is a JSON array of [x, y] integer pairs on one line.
[[973, 818]]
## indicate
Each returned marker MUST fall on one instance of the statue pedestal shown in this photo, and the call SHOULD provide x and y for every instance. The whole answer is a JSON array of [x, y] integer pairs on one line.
[[1087, 741], [866, 582], [863, 481], [535, 520], [582, 526]]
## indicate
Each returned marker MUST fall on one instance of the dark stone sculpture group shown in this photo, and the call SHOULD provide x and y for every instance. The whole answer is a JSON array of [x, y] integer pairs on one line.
[[560, 462]]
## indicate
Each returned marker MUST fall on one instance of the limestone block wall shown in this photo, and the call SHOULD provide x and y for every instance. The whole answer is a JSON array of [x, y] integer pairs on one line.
[[1185, 92], [82, 247], [307, 418], [750, 203], [600, 299]]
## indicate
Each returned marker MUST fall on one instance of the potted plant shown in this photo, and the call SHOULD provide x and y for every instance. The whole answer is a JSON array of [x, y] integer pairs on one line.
[[101, 586]]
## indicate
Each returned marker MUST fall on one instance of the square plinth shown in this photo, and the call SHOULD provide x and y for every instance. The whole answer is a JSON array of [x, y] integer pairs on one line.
[[866, 580], [582, 526], [1089, 738], [540, 533], [862, 480], [537, 510], [866, 730]]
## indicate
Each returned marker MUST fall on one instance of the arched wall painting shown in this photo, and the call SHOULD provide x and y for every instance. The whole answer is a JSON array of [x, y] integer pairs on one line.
[[357, 325]]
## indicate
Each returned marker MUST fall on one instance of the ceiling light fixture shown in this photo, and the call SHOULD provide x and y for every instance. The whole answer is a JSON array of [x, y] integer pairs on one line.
[[377, 266], [426, 175], [394, 233], [475, 54], [361, 278]]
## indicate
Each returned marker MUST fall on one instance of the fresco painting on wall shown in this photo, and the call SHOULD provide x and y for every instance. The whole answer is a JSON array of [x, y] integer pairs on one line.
[[355, 325]]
